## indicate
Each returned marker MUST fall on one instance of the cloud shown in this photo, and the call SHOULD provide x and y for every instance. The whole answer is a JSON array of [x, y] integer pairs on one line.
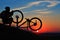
[[42, 12], [29, 5], [39, 12], [49, 0], [52, 4]]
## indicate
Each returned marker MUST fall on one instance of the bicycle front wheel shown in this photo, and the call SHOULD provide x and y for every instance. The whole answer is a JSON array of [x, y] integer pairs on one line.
[[35, 24]]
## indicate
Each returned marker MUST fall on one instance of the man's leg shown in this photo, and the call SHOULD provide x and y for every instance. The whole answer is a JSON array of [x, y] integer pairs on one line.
[[10, 20]]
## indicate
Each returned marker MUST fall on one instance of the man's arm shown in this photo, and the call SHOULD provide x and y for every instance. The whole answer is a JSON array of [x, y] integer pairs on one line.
[[12, 12]]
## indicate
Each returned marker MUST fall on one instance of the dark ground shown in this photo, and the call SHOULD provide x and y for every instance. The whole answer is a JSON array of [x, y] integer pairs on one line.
[[7, 32]]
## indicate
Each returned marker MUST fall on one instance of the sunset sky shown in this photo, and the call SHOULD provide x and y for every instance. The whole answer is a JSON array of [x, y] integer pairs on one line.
[[47, 10]]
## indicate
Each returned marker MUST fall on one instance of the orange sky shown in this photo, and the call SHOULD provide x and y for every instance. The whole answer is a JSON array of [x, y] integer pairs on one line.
[[48, 25]]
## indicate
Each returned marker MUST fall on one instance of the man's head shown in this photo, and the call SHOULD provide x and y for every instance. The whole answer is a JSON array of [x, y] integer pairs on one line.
[[7, 8]]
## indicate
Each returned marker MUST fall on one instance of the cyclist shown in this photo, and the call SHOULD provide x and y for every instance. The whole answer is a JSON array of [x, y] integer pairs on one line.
[[6, 16]]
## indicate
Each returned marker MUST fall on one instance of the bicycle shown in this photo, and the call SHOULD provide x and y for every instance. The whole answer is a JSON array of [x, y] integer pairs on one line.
[[30, 22]]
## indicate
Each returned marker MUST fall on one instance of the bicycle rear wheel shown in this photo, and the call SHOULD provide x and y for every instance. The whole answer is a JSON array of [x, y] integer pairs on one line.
[[35, 24], [20, 14]]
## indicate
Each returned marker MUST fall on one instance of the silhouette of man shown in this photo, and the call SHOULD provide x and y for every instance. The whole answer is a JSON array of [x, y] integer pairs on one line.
[[6, 16]]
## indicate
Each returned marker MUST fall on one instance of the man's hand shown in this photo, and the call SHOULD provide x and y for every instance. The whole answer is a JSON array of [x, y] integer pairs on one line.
[[12, 11]]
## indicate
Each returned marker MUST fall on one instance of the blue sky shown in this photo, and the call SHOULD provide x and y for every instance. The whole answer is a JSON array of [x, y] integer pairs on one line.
[[34, 7], [22, 3], [13, 3]]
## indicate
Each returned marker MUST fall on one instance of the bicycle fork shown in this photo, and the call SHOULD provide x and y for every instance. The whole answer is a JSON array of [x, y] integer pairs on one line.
[[28, 24], [17, 20]]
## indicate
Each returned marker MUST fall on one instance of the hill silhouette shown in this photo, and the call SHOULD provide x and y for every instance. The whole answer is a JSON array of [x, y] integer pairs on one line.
[[7, 32]]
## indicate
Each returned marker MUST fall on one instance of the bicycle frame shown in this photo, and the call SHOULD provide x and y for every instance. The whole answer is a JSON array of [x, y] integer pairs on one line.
[[28, 23]]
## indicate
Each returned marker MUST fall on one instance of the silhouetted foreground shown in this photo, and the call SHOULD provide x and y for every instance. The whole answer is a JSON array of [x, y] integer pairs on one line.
[[12, 32], [7, 32]]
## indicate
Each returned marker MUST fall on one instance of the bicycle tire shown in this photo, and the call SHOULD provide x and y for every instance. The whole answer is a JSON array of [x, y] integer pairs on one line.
[[39, 26], [21, 15]]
